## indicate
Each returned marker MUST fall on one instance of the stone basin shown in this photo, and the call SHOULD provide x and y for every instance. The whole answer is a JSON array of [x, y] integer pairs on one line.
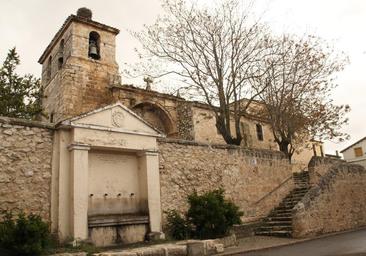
[[106, 230]]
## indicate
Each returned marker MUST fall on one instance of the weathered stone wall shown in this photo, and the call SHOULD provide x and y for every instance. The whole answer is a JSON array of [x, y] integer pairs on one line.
[[205, 131], [25, 172], [185, 120], [336, 203], [318, 167], [256, 180], [80, 84]]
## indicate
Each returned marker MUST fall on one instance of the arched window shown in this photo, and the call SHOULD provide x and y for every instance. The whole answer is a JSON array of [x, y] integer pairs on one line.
[[259, 129], [49, 68], [94, 45], [60, 60]]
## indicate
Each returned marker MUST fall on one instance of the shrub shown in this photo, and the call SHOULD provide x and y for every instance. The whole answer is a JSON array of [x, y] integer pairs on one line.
[[177, 225], [209, 216], [24, 235]]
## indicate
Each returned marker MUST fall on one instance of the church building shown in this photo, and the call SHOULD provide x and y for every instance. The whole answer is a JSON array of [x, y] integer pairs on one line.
[[103, 126]]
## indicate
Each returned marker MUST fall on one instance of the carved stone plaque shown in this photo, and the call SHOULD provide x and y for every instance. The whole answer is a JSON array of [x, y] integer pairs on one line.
[[118, 118]]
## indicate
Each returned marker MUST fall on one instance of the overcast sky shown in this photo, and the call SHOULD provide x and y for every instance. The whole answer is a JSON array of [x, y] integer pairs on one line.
[[30, 25]]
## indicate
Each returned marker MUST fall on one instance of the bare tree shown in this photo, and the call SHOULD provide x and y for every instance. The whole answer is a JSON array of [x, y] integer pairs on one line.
[[215, 51], [296, 91]]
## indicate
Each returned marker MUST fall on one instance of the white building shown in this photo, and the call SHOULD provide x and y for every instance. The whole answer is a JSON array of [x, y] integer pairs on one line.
[[356, 153]]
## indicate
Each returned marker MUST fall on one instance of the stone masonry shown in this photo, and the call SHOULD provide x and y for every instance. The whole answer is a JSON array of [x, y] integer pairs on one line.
[[251, 178], [25, 159], [336, 203], [319, 166]]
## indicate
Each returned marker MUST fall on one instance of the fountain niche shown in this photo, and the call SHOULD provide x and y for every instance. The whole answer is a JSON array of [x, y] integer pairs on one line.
[[105, 182], [117, 205]]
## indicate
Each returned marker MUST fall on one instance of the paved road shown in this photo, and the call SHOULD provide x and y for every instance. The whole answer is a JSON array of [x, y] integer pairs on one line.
[[351, 243]]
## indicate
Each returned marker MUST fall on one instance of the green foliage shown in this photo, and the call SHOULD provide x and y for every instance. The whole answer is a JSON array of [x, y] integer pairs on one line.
[[210, 215], [178, 227], [20, 96], [24, 235]]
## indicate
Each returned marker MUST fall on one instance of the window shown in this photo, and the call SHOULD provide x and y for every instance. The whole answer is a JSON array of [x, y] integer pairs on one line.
[[259, 132], [49, 68], [60, 60], [94, 45], [358, 152]]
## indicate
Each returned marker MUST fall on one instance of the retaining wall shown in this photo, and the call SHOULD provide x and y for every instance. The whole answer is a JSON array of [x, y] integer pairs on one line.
[[335, 203], [25, 166], [256, 180]]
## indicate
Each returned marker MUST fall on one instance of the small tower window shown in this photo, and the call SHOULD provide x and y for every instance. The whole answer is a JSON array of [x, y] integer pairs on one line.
[[94, 45], [49, 68], [60, 60], [259, 129]]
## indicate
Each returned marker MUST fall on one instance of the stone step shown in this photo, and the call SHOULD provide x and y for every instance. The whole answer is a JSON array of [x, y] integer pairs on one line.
[[301, 184], [300, 191], [292, 200], [274, 233], [278, 223], [280, 210], [275, 228], [289, 201], [296, 196], [300, 194], [279, 218], [297, 190], [285, 207], [288, 207], [281, 215]]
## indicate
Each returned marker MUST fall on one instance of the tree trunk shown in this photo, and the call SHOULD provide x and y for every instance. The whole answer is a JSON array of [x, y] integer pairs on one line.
[[226, 134], [284, 148]]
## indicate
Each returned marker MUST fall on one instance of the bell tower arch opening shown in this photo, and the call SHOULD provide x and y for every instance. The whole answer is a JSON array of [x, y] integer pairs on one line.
[[94, 45]]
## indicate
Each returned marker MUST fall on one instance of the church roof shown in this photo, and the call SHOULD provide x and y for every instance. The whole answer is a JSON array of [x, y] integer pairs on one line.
[[68, 21]]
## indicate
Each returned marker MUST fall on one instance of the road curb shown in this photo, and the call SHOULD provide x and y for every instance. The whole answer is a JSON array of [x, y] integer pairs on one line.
[[301, 240]]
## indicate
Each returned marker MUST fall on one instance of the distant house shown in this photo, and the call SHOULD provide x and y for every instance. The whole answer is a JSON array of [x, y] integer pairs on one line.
[[356, 153]]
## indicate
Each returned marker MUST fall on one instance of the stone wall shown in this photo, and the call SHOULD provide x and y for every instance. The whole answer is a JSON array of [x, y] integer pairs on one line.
[[256, 180], [185, 120], [336, 203], [318, 167], [25, 173]]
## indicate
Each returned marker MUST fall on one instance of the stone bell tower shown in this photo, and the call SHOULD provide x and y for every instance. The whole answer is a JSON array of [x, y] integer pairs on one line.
[[78, 67]]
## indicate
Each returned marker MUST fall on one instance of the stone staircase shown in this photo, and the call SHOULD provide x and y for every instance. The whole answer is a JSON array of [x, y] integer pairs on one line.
[[279, 221]]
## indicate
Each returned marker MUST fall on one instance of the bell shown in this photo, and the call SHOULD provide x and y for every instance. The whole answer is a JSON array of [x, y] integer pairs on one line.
[[93, 51]]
